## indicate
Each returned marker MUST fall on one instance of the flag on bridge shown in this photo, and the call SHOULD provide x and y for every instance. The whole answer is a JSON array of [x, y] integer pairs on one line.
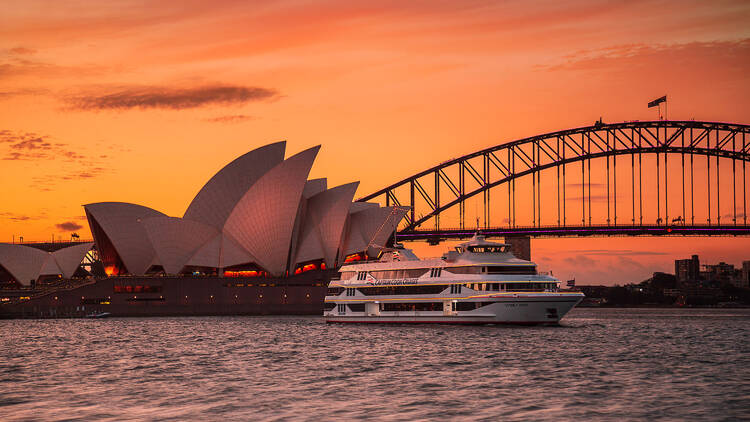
[[657, 101], [572, 283]]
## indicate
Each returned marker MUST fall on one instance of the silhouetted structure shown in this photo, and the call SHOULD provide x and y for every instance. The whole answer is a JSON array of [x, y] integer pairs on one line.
[[687, 270], [714, 285], [566, 156], [520, 246]]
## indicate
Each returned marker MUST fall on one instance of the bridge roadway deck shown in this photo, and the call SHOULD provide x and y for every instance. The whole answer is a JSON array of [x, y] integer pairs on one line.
[[437, 235]]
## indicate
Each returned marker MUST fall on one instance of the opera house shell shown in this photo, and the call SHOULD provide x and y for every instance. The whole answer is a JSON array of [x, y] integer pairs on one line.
[[25, 264], [258, 216]]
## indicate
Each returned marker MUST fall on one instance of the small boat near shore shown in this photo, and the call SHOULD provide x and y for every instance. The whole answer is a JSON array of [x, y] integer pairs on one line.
[[480, 282]]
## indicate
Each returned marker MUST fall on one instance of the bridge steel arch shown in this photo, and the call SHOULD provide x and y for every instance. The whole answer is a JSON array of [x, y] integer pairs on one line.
[[451, 183]]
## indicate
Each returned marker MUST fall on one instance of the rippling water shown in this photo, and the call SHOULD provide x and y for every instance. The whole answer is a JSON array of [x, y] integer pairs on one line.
[[601, 364]]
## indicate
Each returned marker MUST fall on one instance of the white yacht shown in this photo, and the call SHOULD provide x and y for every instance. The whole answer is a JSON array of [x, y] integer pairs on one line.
[[480, 282]]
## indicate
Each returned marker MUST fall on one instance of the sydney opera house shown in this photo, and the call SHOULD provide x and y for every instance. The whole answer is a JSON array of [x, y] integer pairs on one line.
[[258, 238]]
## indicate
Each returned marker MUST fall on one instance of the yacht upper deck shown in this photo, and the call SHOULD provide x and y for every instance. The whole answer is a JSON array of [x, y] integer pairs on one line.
[[477, 260]]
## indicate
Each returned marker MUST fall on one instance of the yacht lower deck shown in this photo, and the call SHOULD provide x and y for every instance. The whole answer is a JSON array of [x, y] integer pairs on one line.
[[512, 308]]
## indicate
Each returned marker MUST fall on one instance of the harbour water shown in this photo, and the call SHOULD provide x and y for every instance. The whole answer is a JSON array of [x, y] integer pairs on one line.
[[601, 364]]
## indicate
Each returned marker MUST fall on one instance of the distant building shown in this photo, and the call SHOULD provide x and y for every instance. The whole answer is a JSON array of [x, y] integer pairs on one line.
[[520, 247], [719, 272], [687, 270], [745, 280]]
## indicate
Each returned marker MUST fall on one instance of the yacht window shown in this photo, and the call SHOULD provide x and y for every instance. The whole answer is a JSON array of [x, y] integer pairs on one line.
[[423, 306], [529, 287], [334, 291], [351, 292], [357, 307], [464, 270], [393, 274], [511, 269], [402, 290], [435, 272], [362, 275]]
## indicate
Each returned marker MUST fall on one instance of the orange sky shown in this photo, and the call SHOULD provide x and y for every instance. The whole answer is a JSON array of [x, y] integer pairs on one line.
[[144, 101]]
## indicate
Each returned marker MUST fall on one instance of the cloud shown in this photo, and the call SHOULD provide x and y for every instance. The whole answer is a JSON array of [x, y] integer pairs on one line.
[[729, 55], [594, 198], [21, 51], [46, 182], [170, 98], [624, 262], [237, 118], [31, 147], [29, 142], [19, 217], [69, 226], [581, 261], [4, 95], [28, 146], [20, 67], [614, 252], [578, 185], [25, 146]]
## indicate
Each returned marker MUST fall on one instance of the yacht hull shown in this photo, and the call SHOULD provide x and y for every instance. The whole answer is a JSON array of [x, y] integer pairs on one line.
[[515, 311]]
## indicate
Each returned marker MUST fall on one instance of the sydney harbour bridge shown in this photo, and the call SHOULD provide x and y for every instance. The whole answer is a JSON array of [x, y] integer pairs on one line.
[[650, 178]]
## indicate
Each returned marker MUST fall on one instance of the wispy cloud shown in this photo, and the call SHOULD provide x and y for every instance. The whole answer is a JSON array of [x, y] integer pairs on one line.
[[578, 185], [46, 182], [615, 252], [4, 95], [21, 50], [24, 146], [20, 217], [17, 66], [31, 147], [237, 118], [580, 260], [594, 198], [151, 97], [627, 57], [28, 146]]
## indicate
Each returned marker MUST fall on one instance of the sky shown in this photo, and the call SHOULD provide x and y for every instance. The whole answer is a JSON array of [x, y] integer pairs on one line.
[[143, 102]]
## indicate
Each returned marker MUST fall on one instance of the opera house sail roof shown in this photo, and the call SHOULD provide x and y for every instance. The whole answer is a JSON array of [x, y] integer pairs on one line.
[[259, 213], [26, 264]]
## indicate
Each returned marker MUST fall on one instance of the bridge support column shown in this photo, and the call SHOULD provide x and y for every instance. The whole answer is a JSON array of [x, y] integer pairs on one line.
[[520, 246]]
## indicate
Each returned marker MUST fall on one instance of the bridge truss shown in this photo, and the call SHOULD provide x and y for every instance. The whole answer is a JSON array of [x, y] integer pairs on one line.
[[650, 156]]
